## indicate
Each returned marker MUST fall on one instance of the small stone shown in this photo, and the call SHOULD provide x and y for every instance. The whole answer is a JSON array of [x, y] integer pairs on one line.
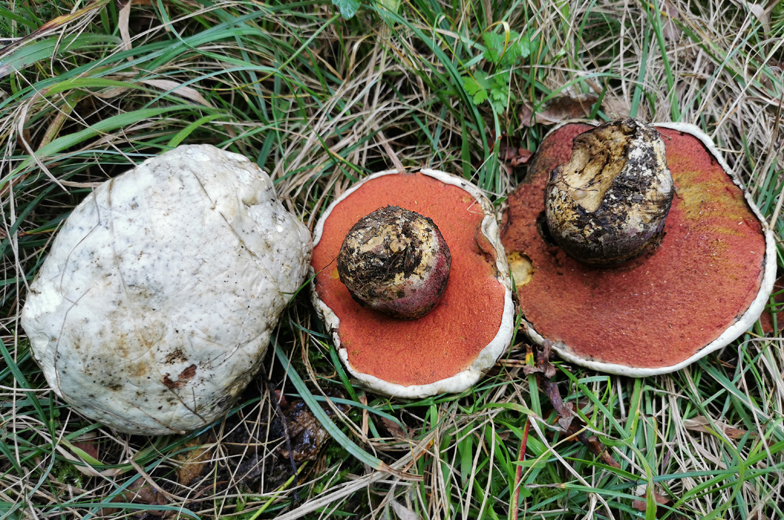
[[395, 261]]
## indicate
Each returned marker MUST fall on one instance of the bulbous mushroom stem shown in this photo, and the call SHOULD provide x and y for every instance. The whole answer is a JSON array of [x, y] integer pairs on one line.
[[395, 261], [608, 204]]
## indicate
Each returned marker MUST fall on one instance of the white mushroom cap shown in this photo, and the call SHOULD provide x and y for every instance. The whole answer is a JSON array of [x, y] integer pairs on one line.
[[156, 303]]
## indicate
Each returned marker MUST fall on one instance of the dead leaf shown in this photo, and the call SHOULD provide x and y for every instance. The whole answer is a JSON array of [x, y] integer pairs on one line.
[[194, 462], [139, 492], [566, 416], [83, 466], [178, 88], [670, 31], [616, 108], [702, 424], [543, 365], [306, 435], [511, 150], [402, 512], [642, 505], [394, 429], [761, 14], [89, 446], [564, 108], [122, 22]]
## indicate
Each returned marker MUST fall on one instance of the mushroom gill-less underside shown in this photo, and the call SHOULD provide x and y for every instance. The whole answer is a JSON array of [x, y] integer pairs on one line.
[[448, 349], [705, 284]]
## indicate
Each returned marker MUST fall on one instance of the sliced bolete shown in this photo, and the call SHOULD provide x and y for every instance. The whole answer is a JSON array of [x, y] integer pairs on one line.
[[703, 285], [449, 348]]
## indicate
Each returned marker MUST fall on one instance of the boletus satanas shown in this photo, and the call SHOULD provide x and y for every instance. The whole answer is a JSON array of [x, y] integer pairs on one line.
[[429, 238], [696, 284]]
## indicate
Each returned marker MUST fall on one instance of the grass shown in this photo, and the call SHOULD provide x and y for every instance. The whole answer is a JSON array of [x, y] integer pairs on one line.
[[320, 101]]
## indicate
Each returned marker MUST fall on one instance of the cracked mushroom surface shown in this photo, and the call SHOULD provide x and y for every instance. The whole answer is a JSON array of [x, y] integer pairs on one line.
[[155, 305], [700, 289], [395, 261], [448, 349], [609, 202]]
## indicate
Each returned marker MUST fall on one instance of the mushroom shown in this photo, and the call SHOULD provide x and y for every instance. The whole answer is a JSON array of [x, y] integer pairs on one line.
[[448, 349], [608, 203], [155, 305], [395, 261], [702, 287]]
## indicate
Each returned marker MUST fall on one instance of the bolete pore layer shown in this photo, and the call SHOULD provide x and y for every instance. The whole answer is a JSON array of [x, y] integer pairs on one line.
[[702, 287], [448, 349]]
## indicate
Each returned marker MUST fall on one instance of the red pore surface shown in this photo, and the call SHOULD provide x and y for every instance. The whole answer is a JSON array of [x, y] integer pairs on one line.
[[448, 339], [660, 309]]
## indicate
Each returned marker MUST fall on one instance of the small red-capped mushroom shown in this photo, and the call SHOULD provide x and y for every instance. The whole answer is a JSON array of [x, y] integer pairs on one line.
[[449, 348], [700, 288]]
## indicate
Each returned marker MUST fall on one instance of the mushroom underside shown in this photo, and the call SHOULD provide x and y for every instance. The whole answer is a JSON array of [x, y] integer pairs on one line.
[[698, 291], [459, 338]]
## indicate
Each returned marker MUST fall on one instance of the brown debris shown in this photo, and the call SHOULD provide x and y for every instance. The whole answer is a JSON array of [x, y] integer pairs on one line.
[[642, 505], [561, 109], [89, 446], [305, 432], [139, 492], [670, 31], [512, 151], [543, 365], [185, 376], [701, 424], [196, 462], [394, 429], [566, 418]]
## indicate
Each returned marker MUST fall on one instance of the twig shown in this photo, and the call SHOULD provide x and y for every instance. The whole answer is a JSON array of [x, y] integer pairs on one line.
[[566, 418], [519, 472], [278, 410]]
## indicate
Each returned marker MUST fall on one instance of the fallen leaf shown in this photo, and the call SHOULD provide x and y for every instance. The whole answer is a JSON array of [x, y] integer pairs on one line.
[[701, 424], [306, 435], [177, 88], [511, 150], [122, 22], [564, 108], [139, 492], [394, 429], [761, 14], [194, 462], [523, 156], [402, 512], [616, 108], [543, 365], [642, 505], [89, 446], [670, 31]]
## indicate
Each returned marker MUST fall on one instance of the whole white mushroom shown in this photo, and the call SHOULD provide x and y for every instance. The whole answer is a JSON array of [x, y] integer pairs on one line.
[[155, 306]]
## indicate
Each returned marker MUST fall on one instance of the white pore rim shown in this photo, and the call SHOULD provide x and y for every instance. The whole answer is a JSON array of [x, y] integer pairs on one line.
[[742, 322], [486, 358]]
